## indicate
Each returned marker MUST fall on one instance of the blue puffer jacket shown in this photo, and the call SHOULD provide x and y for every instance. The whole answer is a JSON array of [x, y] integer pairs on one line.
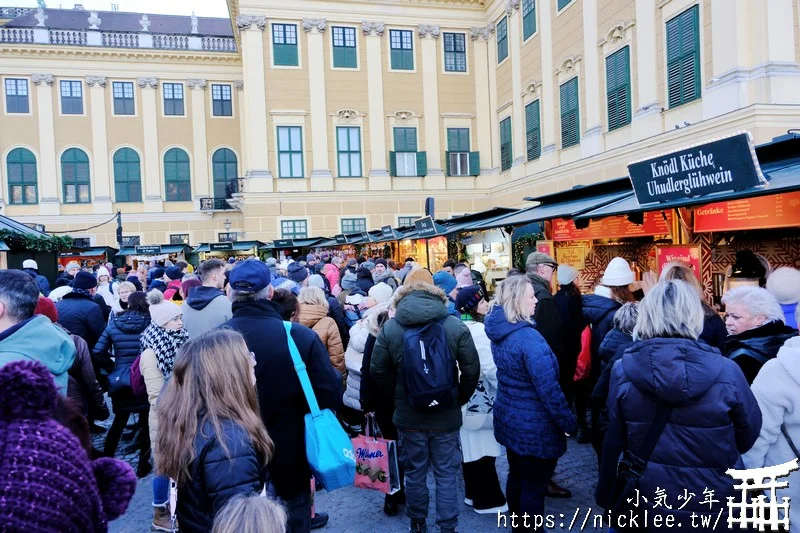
[[531, 413], [715, 419], [79, 313], [217, 477], [599, 311], [122, 335]]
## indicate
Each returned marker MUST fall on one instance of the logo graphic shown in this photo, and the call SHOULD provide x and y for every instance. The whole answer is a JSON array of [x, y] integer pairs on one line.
[[754, 509], [349, 454]]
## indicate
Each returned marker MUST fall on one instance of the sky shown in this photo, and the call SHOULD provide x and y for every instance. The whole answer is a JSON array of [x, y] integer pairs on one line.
[[202, 8]]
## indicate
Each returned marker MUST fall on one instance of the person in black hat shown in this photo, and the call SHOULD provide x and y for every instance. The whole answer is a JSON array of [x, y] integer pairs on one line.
[[283, 404], [158, 280], [79, 313], [298, 273]]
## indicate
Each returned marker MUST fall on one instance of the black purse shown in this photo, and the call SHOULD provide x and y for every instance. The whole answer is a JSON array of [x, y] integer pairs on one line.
[[120, 378], [630, 468]]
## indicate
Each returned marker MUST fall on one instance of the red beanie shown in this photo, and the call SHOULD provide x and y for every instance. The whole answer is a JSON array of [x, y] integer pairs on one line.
[[46, 307]]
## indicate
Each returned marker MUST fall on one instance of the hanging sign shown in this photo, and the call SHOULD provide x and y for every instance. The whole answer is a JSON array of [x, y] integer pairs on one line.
[[148, 250], [615, 227], [574, 256], [689, 255], [725, 164], [341, 239], [763, 212], [425, 227], [546, 247], [220, 246], [387, 232], [283, 243], [366, 237]]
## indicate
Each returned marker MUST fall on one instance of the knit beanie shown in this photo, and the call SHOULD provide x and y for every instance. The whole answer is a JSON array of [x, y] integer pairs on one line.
[[784, 284], [71, 266], [46, 307], [174, 273], [102, 271], [349, 281], [48, 483], [381, 292], [136, 282], [444, 281], [618, 273], [297, 272], [188, 285], [369, 265], [418, 275], [158, 273], [161, 311], [566, 274], [468, 298], [85, 281], [316, 281]]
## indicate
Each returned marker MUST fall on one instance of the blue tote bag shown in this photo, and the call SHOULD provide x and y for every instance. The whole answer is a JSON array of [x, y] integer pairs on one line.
[[328, 448]]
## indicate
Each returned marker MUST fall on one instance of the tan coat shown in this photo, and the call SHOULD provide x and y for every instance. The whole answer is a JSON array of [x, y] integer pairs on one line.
[[316, 317], [154, 382]]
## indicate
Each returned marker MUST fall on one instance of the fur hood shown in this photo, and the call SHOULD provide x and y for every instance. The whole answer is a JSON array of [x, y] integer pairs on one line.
[[371, 317], [405, 290], [419, 303]]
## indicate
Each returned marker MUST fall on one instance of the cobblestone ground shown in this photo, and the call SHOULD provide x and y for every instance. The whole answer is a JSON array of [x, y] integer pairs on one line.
[[354, 510]]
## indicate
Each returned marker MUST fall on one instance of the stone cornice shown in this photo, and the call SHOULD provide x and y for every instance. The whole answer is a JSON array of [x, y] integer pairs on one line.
[[118, 53], [315, 24]]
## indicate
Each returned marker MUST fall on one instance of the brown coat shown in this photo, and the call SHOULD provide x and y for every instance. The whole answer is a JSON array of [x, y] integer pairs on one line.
[[316, 317]]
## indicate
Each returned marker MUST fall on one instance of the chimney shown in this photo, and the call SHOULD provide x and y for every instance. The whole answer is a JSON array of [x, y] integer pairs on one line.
[[114, 7], [78, 7]]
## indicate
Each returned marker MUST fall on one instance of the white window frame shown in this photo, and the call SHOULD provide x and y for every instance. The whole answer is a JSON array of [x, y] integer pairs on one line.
[[83, 99]]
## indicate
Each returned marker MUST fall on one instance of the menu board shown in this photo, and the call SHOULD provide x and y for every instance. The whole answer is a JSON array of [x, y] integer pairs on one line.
[[545, 247], [574, 256], [613, 227], [763, 212], [689, 255]]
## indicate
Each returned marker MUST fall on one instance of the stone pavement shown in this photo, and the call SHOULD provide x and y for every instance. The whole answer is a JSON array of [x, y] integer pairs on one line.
[[354, 510]]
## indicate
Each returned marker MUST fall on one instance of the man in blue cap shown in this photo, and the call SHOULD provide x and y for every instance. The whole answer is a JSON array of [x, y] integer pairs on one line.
[[283, 404]]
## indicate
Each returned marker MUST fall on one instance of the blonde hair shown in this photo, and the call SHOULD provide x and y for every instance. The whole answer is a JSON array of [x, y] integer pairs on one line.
[[250, 514], [510, 296], [671, 309], [312, 296], [680, 271], [211, 382], [126, 285]]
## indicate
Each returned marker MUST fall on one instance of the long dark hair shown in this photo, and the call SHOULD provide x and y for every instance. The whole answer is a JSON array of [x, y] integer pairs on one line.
[[137, 303]]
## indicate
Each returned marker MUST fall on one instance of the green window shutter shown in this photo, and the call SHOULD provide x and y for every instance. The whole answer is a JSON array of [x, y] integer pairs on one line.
[[533, 131], [452, 139], [618, 87], [570, 118], [447, 163], [683, 57], [502, 40], [474, 163], [392, 164], [505, 144], [422, 164], [528, 18], [563, 3]]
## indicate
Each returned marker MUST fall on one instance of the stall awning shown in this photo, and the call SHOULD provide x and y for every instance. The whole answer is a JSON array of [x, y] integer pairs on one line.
[[4, 247], [782, 178], [165, 249], [90, 252], [18, 227], [566, 209], [239, 246]]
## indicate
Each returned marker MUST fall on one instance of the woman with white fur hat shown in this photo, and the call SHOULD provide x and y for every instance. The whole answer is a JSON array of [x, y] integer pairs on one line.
[[104, 288], [784, 284]]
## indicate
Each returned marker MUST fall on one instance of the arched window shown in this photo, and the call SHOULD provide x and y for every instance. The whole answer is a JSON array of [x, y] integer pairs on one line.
[[127, 176], [21, 172], [177, 176], [225, 171], [75, 176]]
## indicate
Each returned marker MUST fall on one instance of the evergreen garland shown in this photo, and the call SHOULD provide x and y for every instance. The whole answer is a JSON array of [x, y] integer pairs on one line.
[[18, 242], [522, 243]]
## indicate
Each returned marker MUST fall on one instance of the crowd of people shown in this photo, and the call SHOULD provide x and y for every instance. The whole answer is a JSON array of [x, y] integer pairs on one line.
[[648, 373]]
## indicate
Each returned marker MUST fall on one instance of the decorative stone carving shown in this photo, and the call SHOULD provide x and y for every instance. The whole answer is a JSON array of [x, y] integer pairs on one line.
[[94, 20], [532, 89], [482, 32], [147, 82], [239, 84], [568, 64], [372, 28], [39, 78], [145, 22], [347, 114], [40, 17], [91, 81], [318, 24], [196, 83], [429, 30], [512, 6], [618, 32], [245, 22], [194, 23], [404, 116]]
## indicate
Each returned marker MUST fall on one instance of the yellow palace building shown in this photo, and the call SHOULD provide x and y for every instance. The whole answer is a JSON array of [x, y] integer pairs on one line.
[[317, 117]]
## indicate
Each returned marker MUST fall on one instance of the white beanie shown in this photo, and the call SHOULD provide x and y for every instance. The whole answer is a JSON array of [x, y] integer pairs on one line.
[[30, 263], [618, 273], [566, 274], [784, 284], [102, 271], [161, 311], [381, 292]]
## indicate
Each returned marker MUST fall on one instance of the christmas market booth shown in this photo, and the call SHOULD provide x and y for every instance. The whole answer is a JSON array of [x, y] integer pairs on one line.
[[228, 249], [339, 246], [19, 242], [282, 249], [722, 199], [88, 256], [134, 255]]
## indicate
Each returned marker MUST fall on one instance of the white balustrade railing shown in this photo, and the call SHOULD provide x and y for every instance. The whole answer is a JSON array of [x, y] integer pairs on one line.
[[16, 35], [219, 44], [171, 42], [121, 40], [68, 37]]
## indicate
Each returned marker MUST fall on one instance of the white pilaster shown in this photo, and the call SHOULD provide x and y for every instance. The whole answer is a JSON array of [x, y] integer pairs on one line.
[[200, 176], [592, 138], [646, 117], [251, 28], [495, 125], [321, 177], [549, 103], [483, 107], [435, 179], [101, 177], [153, 197], [518, 144], [48, 166], [379, 179]]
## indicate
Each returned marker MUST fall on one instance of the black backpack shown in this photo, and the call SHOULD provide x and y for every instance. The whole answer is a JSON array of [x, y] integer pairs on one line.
[[431, 372]]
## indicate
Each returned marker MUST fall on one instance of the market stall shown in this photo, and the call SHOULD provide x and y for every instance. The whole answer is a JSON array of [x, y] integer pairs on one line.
[[19, 242], [282, 249], [339, 246], [155, 252], [225, 250], [88, 256]]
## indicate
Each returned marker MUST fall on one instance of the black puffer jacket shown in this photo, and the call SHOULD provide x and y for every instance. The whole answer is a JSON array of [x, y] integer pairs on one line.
[[570, 310], [751, 349], [611, 350], [714, 332], [217, 477], [599, 311], [122, 336], [81, 316]]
